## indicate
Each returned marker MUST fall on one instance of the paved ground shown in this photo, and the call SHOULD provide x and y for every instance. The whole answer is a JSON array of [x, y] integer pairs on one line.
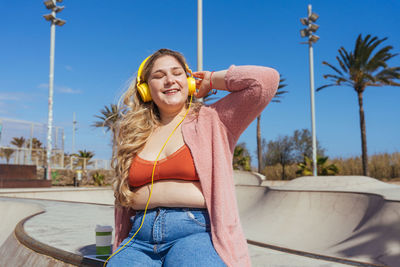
[[70, 226], [297, 215]]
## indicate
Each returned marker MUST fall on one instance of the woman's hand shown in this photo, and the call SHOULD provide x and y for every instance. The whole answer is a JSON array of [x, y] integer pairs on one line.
[[202, 83]]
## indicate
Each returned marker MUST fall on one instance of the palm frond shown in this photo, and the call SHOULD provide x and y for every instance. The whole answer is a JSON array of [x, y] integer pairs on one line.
[[346, 57], [363, 67], [324, 86], [18, 141], [379, 59], [109, 116], [389, 74], [332, 67], [342, 65], [279, 93]]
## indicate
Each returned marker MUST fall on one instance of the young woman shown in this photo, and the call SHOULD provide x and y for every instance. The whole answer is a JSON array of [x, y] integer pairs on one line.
[[192, 216]]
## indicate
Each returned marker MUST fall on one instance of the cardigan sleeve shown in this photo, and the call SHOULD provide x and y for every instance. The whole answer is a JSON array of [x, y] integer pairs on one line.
[[122, 224], [251, 89]]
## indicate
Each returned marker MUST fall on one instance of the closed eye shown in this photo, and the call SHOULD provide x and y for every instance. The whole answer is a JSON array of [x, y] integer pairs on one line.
[[177, 73], [157, 75]]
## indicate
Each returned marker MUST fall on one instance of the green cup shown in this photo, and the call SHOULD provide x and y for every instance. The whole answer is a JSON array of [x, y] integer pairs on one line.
[[103, 239]]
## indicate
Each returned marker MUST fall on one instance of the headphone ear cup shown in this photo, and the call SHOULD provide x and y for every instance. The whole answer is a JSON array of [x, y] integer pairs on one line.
[[144, 92], [191, 85]]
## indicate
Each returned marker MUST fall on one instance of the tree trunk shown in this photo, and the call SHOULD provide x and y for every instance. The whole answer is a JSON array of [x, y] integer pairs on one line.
[[259, 151], [363, 134]]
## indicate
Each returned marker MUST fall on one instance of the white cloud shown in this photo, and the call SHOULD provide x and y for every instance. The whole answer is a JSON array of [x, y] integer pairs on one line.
[[11, 96], [60, 89], [43, 86], [67, 90]]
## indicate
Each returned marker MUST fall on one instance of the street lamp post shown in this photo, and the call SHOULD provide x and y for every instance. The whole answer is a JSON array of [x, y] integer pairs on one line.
[[308, 32], [51, 5], [199, 35]]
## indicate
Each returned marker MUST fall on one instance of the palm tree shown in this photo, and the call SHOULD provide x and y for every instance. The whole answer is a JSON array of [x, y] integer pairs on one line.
[[360, 69], [6, 153], [84, 158], [275, 99], [18, 141], [306, 168], [109, 117]]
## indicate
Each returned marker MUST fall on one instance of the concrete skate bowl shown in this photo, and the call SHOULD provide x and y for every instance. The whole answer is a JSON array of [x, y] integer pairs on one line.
[[12, 251], [18, 248], [361, 229]]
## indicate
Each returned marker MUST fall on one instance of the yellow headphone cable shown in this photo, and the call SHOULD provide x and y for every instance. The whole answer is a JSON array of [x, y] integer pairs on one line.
[[152, 177]]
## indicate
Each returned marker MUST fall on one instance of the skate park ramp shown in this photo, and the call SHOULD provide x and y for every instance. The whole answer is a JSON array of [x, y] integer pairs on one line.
[[37, 231], [348, 217], [309, 221], [73, 194], [12, 213]]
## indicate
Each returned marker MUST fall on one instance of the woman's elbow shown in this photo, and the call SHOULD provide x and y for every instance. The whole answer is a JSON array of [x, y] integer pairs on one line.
[[267, 83], [270, 79]]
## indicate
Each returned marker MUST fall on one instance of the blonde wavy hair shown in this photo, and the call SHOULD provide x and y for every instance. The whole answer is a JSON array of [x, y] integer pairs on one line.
[[137, 121]]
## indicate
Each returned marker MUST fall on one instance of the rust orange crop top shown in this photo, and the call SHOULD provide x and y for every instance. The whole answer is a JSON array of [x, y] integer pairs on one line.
[[179, 165]]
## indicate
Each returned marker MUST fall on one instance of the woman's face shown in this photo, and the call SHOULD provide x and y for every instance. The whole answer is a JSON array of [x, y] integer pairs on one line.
[[168, 84]]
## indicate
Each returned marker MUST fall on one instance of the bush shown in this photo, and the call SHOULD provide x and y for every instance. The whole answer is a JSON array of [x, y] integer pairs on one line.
[[383, 166], [98, 178]]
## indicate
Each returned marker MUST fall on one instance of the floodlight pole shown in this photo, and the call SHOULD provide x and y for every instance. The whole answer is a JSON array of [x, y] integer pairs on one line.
[[308, 32], [51, 4], [314, 138], [51, 85]]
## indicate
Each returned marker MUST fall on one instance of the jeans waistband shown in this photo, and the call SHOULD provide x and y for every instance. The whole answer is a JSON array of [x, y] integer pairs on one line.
[[173, 208]]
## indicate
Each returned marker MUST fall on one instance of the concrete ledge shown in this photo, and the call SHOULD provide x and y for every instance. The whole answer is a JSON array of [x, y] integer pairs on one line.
[[353, 184], [103, 196], [247, 178], [62, 257], [20, 249], [42, 248]]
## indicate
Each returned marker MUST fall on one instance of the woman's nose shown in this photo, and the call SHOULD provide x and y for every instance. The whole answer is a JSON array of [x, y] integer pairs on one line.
[[169, 79]]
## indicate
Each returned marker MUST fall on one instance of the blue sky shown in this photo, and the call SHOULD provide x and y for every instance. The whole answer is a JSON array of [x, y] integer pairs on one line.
[[102, 44]]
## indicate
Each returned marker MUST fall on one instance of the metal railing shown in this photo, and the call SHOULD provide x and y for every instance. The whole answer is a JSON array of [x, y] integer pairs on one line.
[[59, 160]]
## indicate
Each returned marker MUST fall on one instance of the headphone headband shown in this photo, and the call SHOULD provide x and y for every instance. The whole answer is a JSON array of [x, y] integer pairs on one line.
[[143, 87]]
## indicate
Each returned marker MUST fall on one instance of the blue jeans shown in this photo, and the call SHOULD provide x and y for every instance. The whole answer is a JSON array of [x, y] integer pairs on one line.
[[169, 237]]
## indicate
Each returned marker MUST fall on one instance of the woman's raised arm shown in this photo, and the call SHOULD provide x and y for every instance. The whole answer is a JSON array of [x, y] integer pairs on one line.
[[251, 87]]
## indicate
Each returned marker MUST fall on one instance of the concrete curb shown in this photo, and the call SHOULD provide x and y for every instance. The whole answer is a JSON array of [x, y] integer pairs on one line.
[[39, 247]]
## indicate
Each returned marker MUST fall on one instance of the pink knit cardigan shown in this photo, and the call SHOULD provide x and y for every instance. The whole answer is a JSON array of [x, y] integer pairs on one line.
[[211, 138]]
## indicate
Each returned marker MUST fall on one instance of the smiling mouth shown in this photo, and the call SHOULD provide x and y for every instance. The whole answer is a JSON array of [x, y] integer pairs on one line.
[[170, 92]]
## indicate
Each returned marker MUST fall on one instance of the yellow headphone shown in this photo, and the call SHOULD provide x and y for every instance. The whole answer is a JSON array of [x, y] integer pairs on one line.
[[144, 89]]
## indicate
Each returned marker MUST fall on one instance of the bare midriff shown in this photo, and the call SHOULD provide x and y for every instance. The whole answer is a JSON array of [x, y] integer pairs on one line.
[[169, 193]]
